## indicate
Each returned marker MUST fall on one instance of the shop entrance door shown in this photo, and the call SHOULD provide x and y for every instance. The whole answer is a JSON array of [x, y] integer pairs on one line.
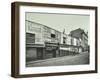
[[40, 53], [54, 53]]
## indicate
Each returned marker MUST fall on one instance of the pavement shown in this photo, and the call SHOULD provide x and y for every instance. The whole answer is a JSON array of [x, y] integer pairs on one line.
[[79, 59]]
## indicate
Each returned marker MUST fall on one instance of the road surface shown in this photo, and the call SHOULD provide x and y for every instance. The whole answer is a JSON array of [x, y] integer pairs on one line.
[[79, 59]]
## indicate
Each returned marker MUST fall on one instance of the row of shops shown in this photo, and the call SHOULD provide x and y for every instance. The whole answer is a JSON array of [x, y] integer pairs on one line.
[[50, 50], [43, 42]]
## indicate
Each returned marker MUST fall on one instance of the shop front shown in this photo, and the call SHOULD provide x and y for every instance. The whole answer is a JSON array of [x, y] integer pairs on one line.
[[51, 50], [34, 52]]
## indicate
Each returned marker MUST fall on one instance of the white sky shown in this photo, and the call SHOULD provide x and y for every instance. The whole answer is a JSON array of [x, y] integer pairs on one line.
[[60, 22]]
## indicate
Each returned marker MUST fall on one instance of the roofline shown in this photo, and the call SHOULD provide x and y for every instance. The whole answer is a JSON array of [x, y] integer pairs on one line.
[[81, 32], [43, 25]]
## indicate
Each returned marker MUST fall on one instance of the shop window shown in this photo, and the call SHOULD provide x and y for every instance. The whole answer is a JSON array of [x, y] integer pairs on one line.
[[30, 38], [64, 40], [72, 41], [53, 35]]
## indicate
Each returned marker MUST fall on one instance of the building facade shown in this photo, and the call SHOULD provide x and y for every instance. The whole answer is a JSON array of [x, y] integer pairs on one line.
[[43, 42], [82, 38]]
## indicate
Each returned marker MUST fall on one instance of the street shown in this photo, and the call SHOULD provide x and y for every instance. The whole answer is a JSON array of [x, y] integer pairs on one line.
[[82, 58]]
